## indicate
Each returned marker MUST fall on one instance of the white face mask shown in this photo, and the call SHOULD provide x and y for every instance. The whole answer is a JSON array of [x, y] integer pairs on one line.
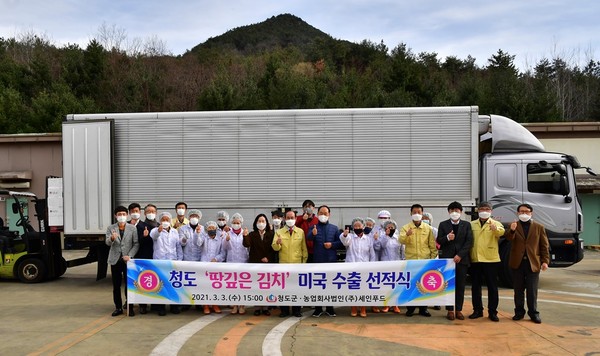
[[382, 221], [180, 212], [277, 222], [221, 223], [524, 217], [416, 217], [236, 226], [454, 215], [290, 223], [194, 221], [150, 216], [135, 216], [485, 214], [323, 218], [261, 226], [122, 219], [165, 224]]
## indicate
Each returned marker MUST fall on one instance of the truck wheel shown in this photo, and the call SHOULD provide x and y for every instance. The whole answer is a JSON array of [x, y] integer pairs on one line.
[[31, 270], [504, 272]]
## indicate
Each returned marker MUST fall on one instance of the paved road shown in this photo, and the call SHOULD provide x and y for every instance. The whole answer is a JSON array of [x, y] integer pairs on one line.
[[71, 316]]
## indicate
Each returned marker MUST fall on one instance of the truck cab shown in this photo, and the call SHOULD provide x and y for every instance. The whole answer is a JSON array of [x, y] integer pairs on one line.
[[515, 169]]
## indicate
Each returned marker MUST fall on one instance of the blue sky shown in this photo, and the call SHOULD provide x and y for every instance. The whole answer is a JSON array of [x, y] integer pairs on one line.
[[529, 29]]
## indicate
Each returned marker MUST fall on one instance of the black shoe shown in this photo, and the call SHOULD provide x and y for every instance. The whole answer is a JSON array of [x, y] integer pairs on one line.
[[424, 313], [175, 310], [536, 318], [330, 312], [131, 312], [117, 312], [298, 315], [186, 307], [437, 307], [162, 312], [494, 317], [410, 312], [476, 314], [143, 309], [316, 314], [284, 315], [518, 316]]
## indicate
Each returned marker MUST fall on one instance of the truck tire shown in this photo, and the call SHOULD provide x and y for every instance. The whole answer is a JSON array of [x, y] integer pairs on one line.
[[504, 271], [31, 270]]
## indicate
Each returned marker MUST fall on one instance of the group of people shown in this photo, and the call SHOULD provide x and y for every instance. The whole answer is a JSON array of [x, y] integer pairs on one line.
[[311, 237]]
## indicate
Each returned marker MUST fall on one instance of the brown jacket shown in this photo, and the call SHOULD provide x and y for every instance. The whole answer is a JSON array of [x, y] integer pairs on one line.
[[260, 248], [535, 245]]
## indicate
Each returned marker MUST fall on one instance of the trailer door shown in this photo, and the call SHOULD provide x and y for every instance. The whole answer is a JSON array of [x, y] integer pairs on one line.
[[87, 177]]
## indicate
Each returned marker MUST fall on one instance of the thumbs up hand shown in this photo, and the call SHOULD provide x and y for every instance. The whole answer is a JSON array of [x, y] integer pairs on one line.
[[245, 231], [346, 231], [513, 226], [376, 235], [198, 229], [146, 231], [227, 237], [451, 236], [409, 232], [315, 231], [113, 236]]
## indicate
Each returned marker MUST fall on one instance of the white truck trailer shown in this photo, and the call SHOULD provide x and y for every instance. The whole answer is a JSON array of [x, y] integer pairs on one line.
[[357, 161]]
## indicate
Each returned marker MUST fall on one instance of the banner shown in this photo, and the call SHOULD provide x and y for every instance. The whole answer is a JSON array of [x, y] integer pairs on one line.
[[413, 282]]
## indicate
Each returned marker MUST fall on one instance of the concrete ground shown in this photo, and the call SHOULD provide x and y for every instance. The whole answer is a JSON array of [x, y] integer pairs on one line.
[[71, 316]]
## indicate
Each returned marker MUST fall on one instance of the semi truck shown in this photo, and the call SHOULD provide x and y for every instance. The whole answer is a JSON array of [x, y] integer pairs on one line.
[[357, 161]]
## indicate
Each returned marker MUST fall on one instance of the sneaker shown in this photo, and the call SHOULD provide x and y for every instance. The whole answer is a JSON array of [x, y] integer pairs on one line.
[[375, 310], [234, 310], [242, 310], [330, 312], [353, 311], [317, 314], [385, 309], [396, 310], [217, 309], [206, 309]]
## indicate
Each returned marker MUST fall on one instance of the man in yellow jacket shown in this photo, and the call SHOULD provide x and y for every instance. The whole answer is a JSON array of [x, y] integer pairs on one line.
[[420, 245], [485, 261], [290, 242]]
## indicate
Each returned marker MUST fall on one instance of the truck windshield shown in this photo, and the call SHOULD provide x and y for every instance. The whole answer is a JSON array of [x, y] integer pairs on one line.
[[547, 178]]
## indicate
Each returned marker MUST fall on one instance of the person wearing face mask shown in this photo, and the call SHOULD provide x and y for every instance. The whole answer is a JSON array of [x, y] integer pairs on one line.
[[189, 236], [290, 242], [123, 241], [145, 241], [166, 247], [258, 242], [222, 221], [150, 213], [419, 245], [233, 244], [326, 242], [359, 248], [306, 221], [180, 219], [428, 219], [485, 260], [390, 250], [529, 254], [456, 239], [212, 251]]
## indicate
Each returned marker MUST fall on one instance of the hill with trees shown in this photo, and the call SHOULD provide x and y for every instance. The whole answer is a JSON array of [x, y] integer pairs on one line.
[[281, 63]]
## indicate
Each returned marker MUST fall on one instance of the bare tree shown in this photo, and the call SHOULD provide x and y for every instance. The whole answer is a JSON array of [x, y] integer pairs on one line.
[[111, 37]]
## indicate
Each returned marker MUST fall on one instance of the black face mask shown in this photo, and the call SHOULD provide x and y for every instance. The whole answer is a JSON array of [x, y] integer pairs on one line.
[[368, 230], [358, 231], [212, 233], [392, 231]]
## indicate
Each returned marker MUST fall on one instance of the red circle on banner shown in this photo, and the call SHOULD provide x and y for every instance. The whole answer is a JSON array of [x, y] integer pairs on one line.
[[148, 281]]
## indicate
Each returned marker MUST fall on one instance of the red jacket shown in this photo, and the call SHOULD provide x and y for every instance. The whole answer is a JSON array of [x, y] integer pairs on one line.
[[305, 225]]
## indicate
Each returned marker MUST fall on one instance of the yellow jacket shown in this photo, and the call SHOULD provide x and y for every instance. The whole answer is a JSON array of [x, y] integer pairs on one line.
[[293, 247], [485, 241], [420, 245]]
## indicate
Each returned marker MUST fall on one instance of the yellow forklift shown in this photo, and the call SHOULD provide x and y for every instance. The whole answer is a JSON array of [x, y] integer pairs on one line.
[[28, 254]]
